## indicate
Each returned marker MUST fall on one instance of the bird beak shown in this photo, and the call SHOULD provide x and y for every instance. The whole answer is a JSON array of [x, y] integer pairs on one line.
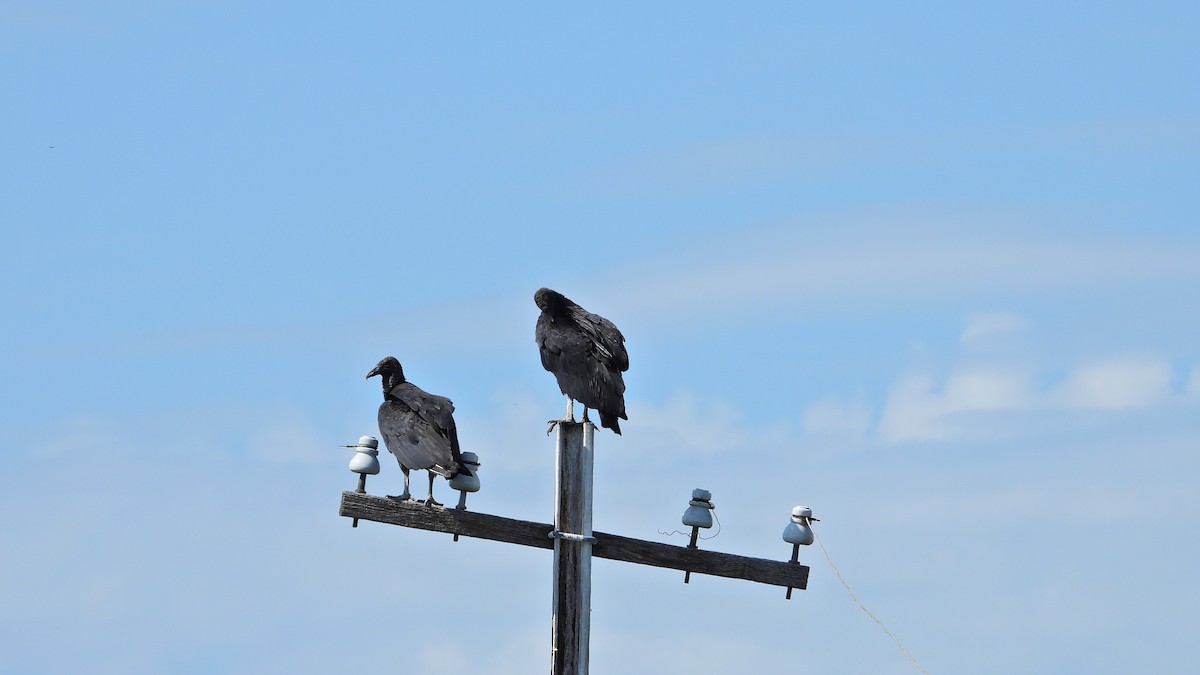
[[373, 373]]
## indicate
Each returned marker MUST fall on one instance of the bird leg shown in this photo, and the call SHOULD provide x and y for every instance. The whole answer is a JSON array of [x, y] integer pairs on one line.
[[407, 495], [429, 501], [569, 418], [585, 419]]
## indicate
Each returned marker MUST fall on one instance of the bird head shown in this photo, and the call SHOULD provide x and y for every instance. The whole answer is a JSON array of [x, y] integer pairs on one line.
[[549, 301], [389, 369]]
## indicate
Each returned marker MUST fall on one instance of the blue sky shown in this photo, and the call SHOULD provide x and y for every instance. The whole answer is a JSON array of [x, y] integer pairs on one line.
[[929, 269]]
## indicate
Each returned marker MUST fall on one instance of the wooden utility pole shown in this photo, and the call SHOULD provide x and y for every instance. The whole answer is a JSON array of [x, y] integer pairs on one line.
[[572, 618], [573, 542]]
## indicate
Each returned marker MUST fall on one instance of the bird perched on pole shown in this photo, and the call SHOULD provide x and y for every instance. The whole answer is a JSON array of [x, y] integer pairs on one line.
[[587, 355], [417, 427]]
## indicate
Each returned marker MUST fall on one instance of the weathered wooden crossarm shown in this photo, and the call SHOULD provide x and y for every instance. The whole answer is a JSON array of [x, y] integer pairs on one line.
[[700, 561], [611, 546], [451, 521]]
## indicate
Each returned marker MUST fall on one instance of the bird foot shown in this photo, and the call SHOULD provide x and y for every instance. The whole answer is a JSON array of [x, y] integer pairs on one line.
[[406, 497], [553, 423], [430, 501]]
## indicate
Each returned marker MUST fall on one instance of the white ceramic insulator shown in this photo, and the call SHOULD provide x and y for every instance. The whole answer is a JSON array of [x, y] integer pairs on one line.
[[366, 456], [464, 482], [798, 531], [699, 512]]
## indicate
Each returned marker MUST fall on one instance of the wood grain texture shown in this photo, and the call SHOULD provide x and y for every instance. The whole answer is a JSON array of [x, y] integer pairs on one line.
[[610, 546]]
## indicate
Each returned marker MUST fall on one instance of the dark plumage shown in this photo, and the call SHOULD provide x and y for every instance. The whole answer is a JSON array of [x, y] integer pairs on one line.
[[587, 355], [417, 427]]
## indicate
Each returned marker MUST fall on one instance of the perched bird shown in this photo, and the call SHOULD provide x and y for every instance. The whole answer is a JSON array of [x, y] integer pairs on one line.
[[417, 427], [587, 355]]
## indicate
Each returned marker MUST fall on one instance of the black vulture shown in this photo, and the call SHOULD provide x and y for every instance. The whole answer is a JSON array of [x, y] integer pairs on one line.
[[417, 427], [587, 355]]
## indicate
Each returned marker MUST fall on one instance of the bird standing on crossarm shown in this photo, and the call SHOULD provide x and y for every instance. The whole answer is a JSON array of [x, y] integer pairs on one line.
[[417, 427], [587, 355]]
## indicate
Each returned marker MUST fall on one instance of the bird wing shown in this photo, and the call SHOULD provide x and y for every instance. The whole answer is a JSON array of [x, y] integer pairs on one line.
[[607, 340], [564, 348], [549, 342], [418, 428], [583, 372]]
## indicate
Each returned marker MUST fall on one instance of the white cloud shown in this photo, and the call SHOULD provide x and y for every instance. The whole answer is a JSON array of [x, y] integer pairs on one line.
[[900, 255], [912, 411], [916, 410], [987, 390], [686, 427], [984, 327], [1114, 385]]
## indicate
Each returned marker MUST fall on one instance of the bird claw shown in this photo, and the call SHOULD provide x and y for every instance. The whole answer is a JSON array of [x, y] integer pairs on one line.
[[553, 423], [430, 501]]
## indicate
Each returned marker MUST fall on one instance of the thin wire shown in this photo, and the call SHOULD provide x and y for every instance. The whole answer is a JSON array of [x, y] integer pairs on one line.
[[864, 608], [688, 534], [714, 534]]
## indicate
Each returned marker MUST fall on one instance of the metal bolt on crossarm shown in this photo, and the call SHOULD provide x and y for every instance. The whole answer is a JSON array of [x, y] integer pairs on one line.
[[798, 533], [698, 515]]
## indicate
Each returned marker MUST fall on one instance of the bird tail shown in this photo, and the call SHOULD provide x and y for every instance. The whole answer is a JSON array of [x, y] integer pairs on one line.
[[611, 421], [455, 452]]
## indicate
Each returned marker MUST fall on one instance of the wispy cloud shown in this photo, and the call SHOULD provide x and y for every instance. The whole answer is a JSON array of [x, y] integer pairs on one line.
[[906, 255], [1113, 385], [687, 427], [989, 326], [917, 409]]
